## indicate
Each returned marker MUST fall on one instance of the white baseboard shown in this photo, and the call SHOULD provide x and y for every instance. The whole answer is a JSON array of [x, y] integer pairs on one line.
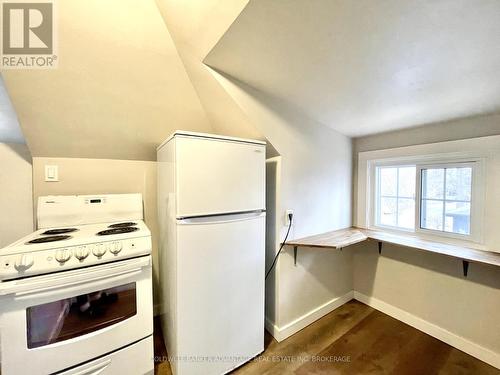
[[431, 329], [281, 333]]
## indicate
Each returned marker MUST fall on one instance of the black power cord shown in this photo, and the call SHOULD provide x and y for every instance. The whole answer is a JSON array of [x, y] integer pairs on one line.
[[290, 217]]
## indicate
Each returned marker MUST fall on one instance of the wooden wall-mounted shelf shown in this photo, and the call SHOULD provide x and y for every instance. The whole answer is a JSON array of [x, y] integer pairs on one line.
[[336, 239], [339, 239]]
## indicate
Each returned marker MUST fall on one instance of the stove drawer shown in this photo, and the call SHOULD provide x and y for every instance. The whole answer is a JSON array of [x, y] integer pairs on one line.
[[136, 359]]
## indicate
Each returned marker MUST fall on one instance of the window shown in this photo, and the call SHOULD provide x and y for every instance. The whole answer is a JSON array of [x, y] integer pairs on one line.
[[396, 197], [446, 199], [439, 198]]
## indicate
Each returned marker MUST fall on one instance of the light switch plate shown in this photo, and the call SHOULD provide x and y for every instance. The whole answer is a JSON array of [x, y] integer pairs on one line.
[[51, 173]]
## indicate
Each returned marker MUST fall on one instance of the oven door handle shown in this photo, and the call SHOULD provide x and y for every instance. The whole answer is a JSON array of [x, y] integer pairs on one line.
[[43, 285], [95, 369]]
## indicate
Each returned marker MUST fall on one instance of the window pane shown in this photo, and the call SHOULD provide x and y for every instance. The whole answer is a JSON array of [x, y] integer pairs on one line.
[[388, 211], [388, 181], [406, 213], [433, 183], [396, 196], [407, 182], [459, 183], [457, 217], [432, 215]]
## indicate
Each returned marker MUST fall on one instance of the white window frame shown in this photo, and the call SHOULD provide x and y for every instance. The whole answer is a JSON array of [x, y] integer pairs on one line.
[[478, 164]]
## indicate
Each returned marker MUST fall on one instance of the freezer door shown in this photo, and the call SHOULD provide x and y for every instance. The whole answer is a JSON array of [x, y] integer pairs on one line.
[[220, 292], [216, 176]]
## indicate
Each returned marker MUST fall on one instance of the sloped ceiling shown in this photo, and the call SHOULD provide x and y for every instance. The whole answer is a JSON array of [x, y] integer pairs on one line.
[[196, 26], [363, 67], [119, 90], [10, 132]]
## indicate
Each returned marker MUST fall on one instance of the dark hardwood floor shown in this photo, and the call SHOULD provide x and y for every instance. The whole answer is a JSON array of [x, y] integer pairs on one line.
[[354, 339]]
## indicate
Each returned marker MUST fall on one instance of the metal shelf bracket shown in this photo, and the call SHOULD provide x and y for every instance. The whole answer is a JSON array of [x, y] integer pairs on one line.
[[465, 265]]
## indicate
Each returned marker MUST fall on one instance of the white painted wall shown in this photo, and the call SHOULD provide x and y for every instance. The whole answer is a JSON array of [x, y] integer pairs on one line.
[[453, 130], [16, 196], [103, 176], [273, 229], [10, 131], [430, 289], [315, 182]]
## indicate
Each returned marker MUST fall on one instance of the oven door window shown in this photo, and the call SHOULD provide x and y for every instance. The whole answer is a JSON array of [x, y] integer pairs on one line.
[[72, 317]]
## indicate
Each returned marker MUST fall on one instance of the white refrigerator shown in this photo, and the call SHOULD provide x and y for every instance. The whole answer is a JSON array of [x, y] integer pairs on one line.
[[211, 192]]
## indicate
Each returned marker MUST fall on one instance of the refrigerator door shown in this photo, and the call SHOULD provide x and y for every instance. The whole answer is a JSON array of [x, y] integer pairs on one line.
[[216, 176], [220, 292]]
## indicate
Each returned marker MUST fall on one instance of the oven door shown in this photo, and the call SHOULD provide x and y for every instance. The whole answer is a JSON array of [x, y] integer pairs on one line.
[[53, 322]]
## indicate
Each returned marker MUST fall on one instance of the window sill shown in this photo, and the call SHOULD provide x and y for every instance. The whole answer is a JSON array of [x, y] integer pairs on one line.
[[440, 238]]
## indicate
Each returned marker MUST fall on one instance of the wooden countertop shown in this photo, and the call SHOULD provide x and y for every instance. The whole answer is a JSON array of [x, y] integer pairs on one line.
[[336, 239], [462, 252], [344, 237]]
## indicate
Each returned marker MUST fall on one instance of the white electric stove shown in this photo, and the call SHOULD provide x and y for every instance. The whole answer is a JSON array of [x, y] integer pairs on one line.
[[76, 295], [63, 248]]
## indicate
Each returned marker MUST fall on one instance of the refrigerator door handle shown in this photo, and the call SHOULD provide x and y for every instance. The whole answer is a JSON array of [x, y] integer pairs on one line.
[[221, 218]]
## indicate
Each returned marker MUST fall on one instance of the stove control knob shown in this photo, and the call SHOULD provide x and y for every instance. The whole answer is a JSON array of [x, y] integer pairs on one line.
[[115, 247], [63, 255], [81, 253], [99, 250], [24, 262]]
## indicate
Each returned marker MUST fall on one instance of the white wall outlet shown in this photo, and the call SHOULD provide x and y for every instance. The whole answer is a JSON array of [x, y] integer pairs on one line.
[[51, 173], [287, 217]]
